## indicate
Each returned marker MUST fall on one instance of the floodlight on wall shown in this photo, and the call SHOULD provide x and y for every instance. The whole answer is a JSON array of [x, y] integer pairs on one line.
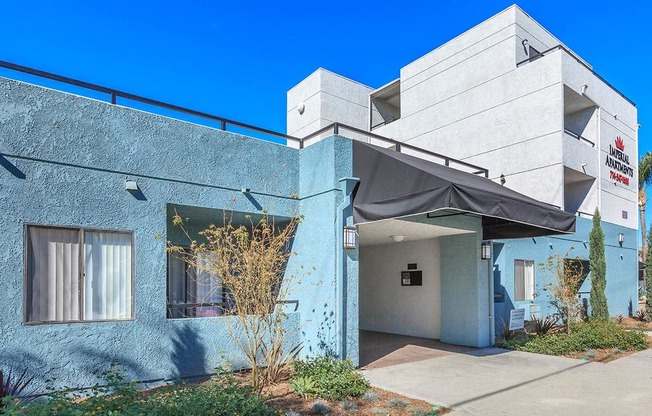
[[349, 237], [583, 88], [131, 185], [245, 190], [525, 43], [301, 107], [397, 238], [502, 179], [621, 238], [486, 250]]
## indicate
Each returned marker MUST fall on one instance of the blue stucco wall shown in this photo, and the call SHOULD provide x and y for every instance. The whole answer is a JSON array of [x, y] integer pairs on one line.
[[622, 267], [65, 162], [321, 165]]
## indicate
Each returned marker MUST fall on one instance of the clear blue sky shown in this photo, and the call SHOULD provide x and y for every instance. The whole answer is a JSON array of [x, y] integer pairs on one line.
[[238, 59]]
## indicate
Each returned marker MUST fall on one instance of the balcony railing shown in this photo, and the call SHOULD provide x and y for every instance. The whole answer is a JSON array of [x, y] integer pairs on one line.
[[115, 94], [398, 146], [224, 123], [560, 47], [580, 138]]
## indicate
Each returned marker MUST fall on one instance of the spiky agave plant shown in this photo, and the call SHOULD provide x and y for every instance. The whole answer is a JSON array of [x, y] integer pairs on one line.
[[12, 386]]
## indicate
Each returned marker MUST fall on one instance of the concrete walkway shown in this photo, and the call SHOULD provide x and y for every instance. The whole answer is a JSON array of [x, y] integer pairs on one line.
[[493, 381]]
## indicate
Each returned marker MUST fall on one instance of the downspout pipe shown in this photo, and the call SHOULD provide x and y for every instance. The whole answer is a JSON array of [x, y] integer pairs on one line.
[[347, 185]]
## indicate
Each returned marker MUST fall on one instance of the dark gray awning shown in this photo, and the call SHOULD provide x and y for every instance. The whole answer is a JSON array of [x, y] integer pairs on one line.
[[394, 185]]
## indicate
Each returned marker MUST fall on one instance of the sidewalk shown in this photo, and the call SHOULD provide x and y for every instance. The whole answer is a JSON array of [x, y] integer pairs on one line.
[[494, 381]]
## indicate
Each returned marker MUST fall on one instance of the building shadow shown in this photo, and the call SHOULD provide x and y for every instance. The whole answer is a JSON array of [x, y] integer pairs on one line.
[[13, 169], [189, 354]]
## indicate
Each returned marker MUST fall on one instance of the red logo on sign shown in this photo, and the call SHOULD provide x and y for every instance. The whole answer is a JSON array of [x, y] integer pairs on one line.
[[620, 144]]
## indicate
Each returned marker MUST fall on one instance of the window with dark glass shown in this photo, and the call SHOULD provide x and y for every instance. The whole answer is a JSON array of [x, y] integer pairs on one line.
[[192, 291]]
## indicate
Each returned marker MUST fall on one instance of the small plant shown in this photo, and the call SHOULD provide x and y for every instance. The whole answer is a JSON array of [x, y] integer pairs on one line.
[[507, 334], [380, 411], [397, 403], [435, 410], [371, 397], [348, 406], [333, 379], [542, 326], [292, 413], [415, 411], [12, 387], [303, 386], [321, 408], [641, 315], [620, 319]]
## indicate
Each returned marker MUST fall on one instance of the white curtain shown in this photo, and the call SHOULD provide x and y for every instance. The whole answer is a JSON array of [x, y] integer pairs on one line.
[[208, 287], [528, 279], [53, 275], [107, 280], [204, 287]]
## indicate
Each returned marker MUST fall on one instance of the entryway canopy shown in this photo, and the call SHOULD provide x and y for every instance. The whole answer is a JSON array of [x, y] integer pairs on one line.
[[393, 185]]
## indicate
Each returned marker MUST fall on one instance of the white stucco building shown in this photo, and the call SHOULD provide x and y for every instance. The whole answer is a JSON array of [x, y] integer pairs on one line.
[[508, 96]]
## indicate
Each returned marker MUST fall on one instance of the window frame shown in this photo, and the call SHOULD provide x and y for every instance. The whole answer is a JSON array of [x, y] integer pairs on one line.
[[525, 289], [82, 230], [169, 306]]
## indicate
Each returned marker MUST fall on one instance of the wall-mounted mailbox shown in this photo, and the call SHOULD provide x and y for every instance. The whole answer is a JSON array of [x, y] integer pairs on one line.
[[411, 278]]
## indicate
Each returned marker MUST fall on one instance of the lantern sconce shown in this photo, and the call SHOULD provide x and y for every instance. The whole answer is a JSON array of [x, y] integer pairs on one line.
[[621, 238], [486, 250], [131, 185], [349, 237]]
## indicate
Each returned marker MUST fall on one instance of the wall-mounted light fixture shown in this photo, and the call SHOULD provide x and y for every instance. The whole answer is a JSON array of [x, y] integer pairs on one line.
[[397, 238], [583, 88], [486, 250], [245, 190], [621, 238], [525, 43], [131, 185], [502, 179], [349, 237], [301, 107]]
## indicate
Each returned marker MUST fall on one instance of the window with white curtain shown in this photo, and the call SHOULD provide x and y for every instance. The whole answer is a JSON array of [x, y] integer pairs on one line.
[[76, 275], [193, 291], [523, 280]]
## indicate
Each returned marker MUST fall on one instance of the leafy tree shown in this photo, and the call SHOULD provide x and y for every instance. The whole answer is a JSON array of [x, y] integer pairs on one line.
[[648, 278], [644, 180], [598, 267]]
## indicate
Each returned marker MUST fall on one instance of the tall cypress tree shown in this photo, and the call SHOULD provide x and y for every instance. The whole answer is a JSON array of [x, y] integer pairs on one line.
[[598, 267]]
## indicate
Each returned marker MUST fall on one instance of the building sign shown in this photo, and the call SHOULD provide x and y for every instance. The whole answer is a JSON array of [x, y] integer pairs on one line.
[[618, 161], [516, 319]]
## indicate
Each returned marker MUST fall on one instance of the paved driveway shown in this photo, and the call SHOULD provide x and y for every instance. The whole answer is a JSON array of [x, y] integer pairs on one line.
[[493, 381]]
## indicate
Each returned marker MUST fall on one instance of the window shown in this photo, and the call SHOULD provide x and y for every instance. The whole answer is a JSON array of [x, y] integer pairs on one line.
[[523, 280], [192, 292], [75, 275]]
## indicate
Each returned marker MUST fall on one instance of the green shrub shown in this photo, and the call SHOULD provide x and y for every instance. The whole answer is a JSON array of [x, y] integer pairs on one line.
[[333, 379], [586, 336], [223, 397], [303, 386]]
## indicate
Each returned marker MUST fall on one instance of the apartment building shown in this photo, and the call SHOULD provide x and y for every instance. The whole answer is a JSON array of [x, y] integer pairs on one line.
[[508, 96]]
